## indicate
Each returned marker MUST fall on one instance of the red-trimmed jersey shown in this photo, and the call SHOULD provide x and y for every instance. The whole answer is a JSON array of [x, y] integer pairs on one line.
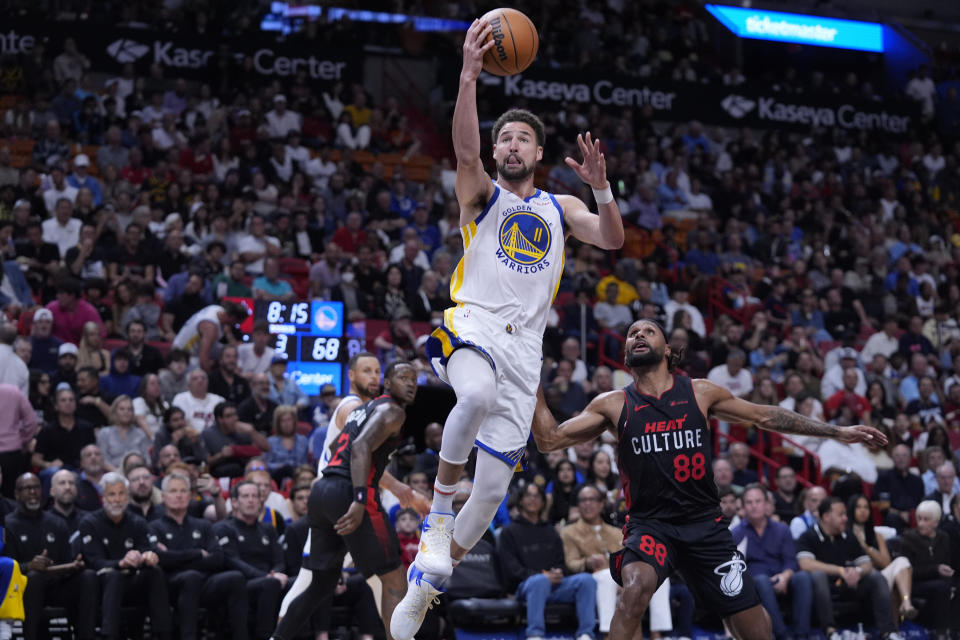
[[339, 464], [665, 455]]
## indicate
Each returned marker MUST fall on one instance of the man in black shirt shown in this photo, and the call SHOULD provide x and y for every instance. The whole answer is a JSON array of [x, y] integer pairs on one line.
[[841, 569], [226, 381], [258, 408], [63, 499], [251, 547], [59, 443], [93, 404], [532, 565], [144, 358], [40, 542], [786, 498], [116, 545], [141, 493], [192, 559], [898, 491]]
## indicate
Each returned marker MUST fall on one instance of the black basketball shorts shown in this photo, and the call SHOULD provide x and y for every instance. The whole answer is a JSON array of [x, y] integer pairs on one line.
[[373, 545], [704, 554]]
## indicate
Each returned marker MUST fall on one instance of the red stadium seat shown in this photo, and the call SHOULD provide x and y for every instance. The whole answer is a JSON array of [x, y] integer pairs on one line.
[[294, 267]]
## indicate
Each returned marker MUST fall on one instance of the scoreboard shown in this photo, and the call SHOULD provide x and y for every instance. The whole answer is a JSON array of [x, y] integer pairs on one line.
[[314, 337]]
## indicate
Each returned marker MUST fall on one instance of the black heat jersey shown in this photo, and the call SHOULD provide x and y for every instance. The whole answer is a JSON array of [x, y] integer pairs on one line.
[[665, 456], [339, 464]]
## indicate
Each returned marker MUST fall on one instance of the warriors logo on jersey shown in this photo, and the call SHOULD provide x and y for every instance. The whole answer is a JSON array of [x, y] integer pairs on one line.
[[524, 240]]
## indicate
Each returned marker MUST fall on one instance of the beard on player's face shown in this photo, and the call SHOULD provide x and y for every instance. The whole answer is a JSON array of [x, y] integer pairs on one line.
[[644, 358], [515, 172]]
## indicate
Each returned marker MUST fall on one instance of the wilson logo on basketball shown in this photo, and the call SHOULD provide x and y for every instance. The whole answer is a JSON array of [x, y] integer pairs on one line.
[[498, 38]]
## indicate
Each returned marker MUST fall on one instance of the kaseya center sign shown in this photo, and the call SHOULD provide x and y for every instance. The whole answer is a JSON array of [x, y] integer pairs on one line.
[[192, 56], [848, 116], [714, 104]]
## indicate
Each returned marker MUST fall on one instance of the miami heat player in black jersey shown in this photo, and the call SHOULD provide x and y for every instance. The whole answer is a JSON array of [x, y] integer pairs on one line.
[[664, 454], [344, 509], [339, 464]]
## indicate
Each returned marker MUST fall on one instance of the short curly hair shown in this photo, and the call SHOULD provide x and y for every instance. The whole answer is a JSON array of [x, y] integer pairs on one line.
[[524, 116]]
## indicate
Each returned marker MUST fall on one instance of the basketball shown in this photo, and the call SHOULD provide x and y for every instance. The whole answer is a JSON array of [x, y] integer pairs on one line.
[[516, 42]]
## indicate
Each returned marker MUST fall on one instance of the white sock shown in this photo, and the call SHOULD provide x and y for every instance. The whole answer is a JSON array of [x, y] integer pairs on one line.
[[443, 497]]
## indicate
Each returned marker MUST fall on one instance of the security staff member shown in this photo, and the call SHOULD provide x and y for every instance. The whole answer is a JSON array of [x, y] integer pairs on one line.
[[191, 557], [40, 542], [251, 547], [116, 544]]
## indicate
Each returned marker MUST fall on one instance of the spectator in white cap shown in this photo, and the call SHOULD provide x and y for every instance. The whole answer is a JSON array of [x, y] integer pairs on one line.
[[832, 380], [67, 357], [280, 120], [46, 347], [58, 188], [81, 178]]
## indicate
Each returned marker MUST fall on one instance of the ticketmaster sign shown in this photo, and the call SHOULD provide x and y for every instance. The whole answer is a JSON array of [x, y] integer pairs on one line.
[[799, 28]]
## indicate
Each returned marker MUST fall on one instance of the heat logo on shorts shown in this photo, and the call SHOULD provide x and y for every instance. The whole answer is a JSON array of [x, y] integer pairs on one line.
[[524, 238], [732, 571]]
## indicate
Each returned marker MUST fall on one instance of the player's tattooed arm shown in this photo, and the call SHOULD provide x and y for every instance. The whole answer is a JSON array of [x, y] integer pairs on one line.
[[720, 403], [601, 414]]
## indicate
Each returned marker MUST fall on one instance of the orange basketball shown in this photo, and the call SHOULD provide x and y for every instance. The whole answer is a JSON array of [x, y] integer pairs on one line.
[[516, 42]]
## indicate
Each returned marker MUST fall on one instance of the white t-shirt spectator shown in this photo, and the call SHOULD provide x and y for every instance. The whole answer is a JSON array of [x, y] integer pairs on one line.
[[880, 343], [52, 195], [832, 382], [612, 315], [699, 202], [13, 370], [320, 172], [422, 261], [250, 362], [739, 385], [280, 125], [922, 90], [64, 236], [140, 408], [249, 243], [696, 318], [198, 412], [854, 457]]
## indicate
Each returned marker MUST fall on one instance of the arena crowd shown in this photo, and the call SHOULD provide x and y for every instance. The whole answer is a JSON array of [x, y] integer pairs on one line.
[[817, 271]]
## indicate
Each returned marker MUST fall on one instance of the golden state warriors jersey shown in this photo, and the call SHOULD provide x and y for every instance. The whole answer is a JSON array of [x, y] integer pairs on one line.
[[513, 258]]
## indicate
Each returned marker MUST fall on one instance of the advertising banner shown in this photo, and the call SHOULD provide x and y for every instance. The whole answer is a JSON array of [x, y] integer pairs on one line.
[[714, 104], [191, 56]]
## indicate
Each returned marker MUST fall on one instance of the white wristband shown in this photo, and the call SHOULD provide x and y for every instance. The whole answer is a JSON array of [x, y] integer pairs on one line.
[[603, 196]]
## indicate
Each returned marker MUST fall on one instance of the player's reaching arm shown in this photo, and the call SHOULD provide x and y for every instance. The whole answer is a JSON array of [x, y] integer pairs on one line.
[[720, 403], [387, 420], [473, 186], [601, 414], [606, 229]]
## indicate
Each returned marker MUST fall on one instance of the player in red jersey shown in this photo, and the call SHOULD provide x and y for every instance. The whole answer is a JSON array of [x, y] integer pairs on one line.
[[664, 454]]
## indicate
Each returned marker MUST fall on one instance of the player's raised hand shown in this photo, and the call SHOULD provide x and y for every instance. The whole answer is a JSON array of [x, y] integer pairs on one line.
[[475, 45], [593, 169], [862, 433]]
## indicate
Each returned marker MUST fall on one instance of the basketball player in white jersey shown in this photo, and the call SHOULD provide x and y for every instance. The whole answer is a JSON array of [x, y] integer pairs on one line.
[[200, 334], [363, 371], [489, 348]]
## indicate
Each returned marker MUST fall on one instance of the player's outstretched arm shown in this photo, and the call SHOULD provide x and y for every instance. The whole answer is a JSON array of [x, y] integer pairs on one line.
[[586, 426], [722, 404], [606, 229], [473, 186]]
